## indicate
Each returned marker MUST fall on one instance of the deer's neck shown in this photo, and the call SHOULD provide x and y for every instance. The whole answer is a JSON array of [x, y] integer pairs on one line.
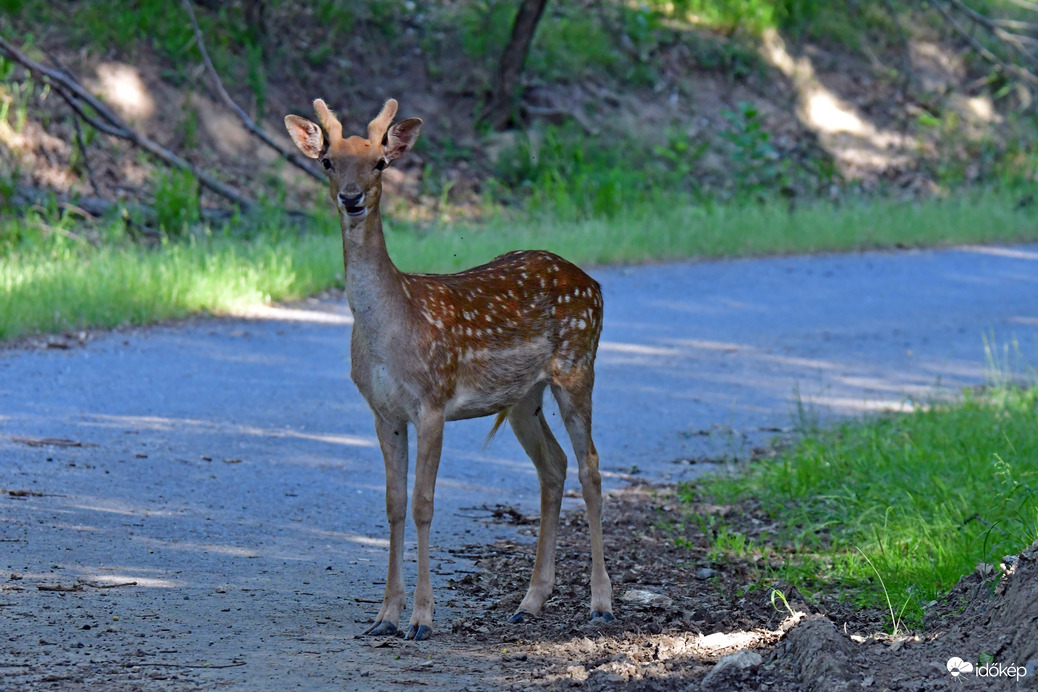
[[373, 283]]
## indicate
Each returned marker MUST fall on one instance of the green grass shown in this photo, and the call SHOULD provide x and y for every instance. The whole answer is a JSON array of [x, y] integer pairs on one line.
[[890, 512], [74, 285], [52, 282], [674, 229]]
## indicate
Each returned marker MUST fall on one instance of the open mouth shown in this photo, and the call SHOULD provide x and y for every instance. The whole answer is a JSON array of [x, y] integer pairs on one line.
[[355, 211]]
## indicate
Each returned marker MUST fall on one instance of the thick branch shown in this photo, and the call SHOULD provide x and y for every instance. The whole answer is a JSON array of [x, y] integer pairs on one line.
[[291, 156], [109, 123], [502, 101]]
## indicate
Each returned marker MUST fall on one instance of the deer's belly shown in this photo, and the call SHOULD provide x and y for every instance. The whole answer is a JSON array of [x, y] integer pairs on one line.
[[487, 386]]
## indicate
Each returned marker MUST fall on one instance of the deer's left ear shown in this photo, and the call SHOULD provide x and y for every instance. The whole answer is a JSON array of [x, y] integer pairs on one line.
[[400, 138]]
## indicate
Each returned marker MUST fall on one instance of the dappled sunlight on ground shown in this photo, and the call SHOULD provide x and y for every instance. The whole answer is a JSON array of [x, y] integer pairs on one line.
[[856, 144], [850, 405], [289, 314], [159, 423], [1010, 252], [122, 86]]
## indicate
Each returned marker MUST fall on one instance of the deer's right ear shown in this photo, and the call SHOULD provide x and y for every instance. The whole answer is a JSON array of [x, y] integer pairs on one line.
[[307, 136]]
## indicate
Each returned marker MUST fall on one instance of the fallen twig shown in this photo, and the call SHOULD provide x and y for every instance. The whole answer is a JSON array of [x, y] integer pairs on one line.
[[233, 664], [49, 442], [63, 588], [73, 93], [1012, 40], [98, 585], [22, 493], [292, 157]]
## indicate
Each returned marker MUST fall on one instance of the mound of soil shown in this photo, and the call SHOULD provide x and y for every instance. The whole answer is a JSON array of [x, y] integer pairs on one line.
[[684, 622]]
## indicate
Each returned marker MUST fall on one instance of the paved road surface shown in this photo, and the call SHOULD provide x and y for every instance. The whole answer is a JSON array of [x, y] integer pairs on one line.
[[230, 469]]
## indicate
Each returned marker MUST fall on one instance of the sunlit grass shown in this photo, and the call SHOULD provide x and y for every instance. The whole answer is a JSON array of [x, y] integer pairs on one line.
[[77, 286], [900, 507], [60, 284]]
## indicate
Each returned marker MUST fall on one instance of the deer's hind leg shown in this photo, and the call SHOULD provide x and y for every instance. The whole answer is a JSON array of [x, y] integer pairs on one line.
[[572, 391], [527, 421]]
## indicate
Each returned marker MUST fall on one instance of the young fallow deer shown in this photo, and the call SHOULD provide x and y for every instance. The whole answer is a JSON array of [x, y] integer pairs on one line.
[[429, 348]]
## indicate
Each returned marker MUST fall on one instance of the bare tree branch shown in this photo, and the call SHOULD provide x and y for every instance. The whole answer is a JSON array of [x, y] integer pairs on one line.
[[86, 156], [998, 28], [291, 156], [1026, 4], [1022, 73], [76, 96]]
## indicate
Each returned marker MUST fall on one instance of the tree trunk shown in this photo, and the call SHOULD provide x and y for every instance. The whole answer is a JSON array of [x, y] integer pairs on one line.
[[499, 110]]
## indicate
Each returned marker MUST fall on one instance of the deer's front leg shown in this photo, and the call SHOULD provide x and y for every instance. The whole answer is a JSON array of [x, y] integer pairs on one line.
[[392, 437], [427, 462]]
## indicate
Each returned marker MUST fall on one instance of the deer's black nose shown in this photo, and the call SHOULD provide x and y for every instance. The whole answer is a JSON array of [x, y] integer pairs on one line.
[[351, 202]]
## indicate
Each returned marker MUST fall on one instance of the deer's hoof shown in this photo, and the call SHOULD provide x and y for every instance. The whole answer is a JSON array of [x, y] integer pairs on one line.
[[382, 628], [519, 617], [604, 616], [419, 632]]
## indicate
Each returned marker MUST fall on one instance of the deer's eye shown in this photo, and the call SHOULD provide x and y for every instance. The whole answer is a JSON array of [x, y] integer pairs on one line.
[[327, 164], [381, 165]]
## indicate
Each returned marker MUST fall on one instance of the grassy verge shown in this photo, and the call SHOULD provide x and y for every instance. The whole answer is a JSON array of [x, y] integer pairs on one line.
[[675, 229], [890, 512], [51, 280], [77, 286]]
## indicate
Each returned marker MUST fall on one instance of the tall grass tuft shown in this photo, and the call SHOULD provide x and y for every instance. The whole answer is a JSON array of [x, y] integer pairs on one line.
[[894, 510]]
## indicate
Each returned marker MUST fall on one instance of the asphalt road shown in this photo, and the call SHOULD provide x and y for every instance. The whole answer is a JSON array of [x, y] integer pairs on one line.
[[229, 469]]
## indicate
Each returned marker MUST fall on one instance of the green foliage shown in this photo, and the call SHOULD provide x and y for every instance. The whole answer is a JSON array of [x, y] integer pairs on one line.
[[752, 15], [484, 27], [570, 46], [177, 204], [892, 511], [14, 96], [257, 77], [571, 175], [757, 167]]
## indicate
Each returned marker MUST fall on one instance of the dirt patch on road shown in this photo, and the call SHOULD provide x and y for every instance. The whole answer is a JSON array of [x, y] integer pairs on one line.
[[687, 622]]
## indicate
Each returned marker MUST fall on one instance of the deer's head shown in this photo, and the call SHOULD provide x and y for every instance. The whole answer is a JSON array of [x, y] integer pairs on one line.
[[354, 164]]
